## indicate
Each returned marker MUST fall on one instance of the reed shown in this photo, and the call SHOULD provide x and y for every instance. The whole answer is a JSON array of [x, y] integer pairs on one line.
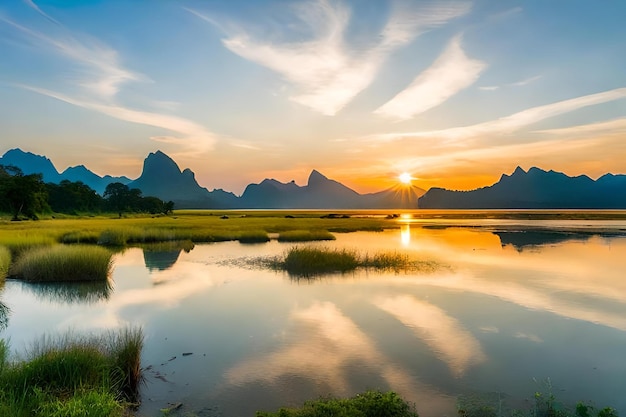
[[64, 263]]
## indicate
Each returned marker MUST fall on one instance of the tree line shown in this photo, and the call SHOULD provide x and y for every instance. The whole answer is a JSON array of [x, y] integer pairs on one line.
[[28, 196]]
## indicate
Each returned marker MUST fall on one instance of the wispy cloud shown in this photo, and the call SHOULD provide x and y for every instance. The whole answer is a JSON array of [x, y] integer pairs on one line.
[[32, 5], [196, 137], [509, 124], [100, 70], [328, 72], [450, 73], [520, 83], [615, 126]]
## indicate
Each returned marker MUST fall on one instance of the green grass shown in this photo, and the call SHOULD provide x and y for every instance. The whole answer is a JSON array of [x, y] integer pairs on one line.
[[312, 261], [302, 260], [305, 235], [21, 242], [367, 404], [253, 236], [80, 236], [66, 375], [5, 261], [64, 263]]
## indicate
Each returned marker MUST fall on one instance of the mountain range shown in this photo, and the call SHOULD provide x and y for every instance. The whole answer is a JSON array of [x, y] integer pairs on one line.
[[161, 177], [535, 189]]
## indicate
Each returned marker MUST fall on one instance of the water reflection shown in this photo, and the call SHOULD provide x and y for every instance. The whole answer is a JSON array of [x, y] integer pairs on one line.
[[405, 234], [521, 239], [443, 334], [162, 256], [70, 292], [329, 348]]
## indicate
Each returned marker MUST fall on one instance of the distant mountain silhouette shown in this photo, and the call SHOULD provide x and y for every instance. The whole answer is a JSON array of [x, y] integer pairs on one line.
[[537, 189], [30, 163], [161, 177], [322, 193]]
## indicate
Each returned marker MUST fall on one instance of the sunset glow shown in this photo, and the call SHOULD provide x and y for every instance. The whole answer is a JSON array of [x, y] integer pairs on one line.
[[460, 92]]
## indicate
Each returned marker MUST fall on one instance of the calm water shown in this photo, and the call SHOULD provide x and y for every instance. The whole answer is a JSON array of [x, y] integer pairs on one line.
[[497, 316]]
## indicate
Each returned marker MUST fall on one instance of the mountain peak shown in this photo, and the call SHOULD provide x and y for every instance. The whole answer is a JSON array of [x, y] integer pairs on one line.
[[316, 177], [158, 163], [519, 171]]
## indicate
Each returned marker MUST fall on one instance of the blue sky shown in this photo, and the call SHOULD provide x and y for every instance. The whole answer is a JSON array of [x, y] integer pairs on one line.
[[452, 92]]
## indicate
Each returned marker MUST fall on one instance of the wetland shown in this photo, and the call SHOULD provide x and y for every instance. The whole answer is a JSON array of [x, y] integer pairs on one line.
[[484, 307]]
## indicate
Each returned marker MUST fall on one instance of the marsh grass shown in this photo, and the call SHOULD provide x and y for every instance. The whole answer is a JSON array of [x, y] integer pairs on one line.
[[19, 243], [80, 236], [311, 261], [305, 261], [369, 403], [253, 236], [64, 263], [5, 261], [67, 374], [305, 235]]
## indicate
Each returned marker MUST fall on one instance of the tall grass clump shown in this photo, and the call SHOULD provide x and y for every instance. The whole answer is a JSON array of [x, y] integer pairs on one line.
[[64, 263], [112, 237], [305, 235], [73, 375], [82, 236], [386, 260], [125, 349], [253, 236], [367, 404], [20, 243], [5, 261], [311, 261]]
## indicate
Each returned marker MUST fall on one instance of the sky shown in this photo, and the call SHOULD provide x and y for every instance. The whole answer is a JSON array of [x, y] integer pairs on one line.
[[454, 93]]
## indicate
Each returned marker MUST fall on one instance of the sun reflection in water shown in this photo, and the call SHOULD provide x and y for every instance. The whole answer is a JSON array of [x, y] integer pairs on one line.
[[405, 234]]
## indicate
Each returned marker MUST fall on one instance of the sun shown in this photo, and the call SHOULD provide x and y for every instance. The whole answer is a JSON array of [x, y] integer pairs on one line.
[[405, 178]]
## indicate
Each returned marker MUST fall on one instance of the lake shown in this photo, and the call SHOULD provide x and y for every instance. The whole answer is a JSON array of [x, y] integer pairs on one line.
[[494, 315]]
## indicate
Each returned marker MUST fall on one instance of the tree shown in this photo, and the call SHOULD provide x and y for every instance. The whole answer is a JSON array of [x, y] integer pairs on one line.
[[22, 194], [117, 196], [72, 197]]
